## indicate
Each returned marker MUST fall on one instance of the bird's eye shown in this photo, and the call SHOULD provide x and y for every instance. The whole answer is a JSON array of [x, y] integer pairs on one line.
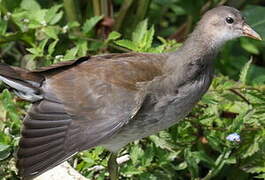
[[229, 20]]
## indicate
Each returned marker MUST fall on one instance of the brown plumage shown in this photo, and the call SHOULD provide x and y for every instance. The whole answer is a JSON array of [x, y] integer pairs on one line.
[[111, 100]]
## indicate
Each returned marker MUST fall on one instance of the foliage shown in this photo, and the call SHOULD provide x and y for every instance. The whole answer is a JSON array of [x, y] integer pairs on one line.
[[39, 33]]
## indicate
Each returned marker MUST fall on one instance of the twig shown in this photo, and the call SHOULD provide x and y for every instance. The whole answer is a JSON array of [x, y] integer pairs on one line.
[[240, 95]]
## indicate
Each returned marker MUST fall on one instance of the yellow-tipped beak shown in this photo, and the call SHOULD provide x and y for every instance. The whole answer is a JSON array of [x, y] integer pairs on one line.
[[249, 32]]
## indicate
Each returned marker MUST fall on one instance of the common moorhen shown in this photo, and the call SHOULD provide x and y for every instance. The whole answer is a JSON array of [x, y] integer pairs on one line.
[[111, 100]]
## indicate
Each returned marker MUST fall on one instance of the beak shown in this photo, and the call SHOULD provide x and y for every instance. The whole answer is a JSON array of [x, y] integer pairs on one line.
[[249, 32]]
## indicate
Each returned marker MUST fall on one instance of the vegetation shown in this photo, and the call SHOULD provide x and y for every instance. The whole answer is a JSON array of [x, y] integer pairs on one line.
[[223, 137]]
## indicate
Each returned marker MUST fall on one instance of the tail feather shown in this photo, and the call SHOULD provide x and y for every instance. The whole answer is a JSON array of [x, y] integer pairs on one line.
[[25, 84]]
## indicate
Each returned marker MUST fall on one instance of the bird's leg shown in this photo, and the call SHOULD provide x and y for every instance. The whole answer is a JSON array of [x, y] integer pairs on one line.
[[113, 167]]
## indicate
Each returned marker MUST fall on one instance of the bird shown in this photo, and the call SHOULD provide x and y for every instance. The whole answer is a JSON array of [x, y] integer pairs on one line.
[[111, 100]]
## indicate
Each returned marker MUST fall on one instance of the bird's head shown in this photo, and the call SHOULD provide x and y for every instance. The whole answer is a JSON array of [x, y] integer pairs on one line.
[[224, 23]]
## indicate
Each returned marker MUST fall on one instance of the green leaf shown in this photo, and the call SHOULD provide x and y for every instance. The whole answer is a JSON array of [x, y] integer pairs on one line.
[[70, 54], [261, 176], [244, 72], [181, 166], [238, 122], [82, 47], [50, 31], [253, 148], [4, 147], [148, 38], [257, 169], [249, 46], [136, 153], [30, 5], [91, 23], [127, 44], [162, 143], [3, 26], [202, 156], [51, 47], [113, 36], [51, 16], [255, 18], [140, 31], [4, 154], [192, 164]]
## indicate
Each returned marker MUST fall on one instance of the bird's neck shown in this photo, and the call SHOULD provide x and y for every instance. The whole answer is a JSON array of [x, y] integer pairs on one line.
[[198, 48]]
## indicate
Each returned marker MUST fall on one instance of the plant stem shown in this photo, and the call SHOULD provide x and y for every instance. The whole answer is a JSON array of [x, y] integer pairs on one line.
[[122, 13], [96, 7], [70, 9]]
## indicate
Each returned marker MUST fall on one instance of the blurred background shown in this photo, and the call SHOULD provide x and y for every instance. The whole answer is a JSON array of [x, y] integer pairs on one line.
[[223, 137]]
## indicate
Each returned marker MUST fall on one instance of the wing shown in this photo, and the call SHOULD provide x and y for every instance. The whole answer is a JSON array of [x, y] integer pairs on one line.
[[83, 105]]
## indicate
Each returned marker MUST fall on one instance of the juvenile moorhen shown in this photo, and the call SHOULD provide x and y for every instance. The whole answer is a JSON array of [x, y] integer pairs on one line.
[[111, 100]]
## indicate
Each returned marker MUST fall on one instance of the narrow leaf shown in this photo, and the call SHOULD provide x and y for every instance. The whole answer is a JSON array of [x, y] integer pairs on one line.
[[244, 72]]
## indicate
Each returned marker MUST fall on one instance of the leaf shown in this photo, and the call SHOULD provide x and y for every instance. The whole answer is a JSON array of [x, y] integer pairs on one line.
[[136, 154], [91, 23], [3, 26], [202, 156], [244, 72], [82, 47], [148, 38], [51, 31], [256, 170], [261, 176], [181, 166], [70, 54], [249, 46], [10, 106], [31, 5], [253, 148], [192, 164], [51, 16], [51, 47], [238, 122], [113, 36], [140, 31], [4, 147], [162, 143], [256, 18], [127, 44]]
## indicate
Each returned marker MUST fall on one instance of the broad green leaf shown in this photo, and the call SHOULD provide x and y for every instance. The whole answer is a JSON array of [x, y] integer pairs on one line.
[[127, 44], [70, 54], [52, 32], [136, 153], [91, 23], [31, 5], [140, 31], [113, 36], [256, 18], [3, 147], [82, 48], [4, 154], [249, 46], [52, 16]]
